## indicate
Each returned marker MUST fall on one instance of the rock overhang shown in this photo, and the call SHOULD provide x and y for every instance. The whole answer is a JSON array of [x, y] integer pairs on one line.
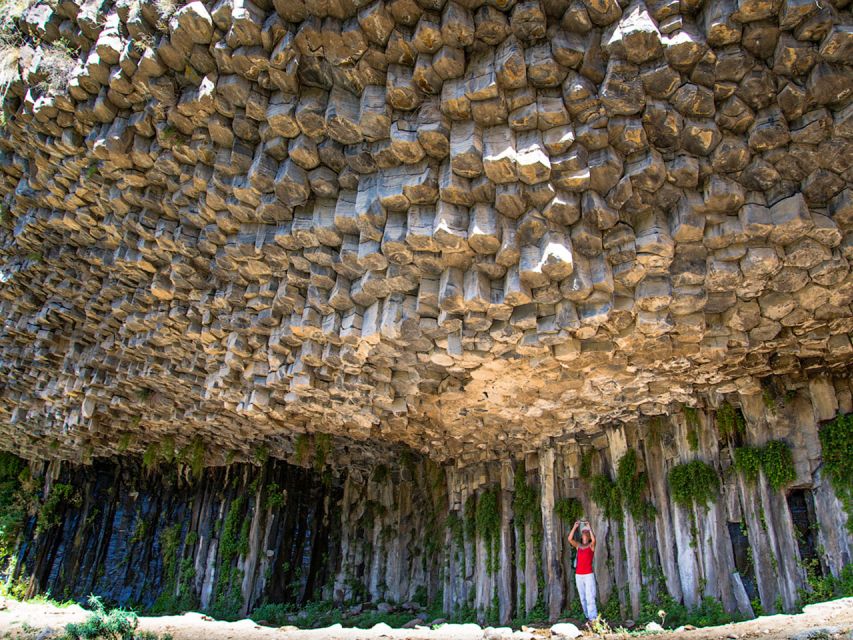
[[467, 228]]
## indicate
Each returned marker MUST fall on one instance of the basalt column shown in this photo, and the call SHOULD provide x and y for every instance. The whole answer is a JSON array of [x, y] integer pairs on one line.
[[448, 275]]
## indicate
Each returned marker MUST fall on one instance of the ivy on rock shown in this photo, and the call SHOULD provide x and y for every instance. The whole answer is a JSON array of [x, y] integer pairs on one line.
[[774, 458], [695, 482], [836, 441], [626, 494]]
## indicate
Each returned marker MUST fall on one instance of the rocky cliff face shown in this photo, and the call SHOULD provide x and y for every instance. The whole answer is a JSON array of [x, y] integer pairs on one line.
[[486, 238], [487, 540]]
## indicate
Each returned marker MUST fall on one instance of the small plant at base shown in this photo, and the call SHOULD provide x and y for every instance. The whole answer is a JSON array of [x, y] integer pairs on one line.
[[116, 624]]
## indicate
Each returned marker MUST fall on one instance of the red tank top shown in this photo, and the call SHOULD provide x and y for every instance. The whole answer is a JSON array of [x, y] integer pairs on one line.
[[584, 566]]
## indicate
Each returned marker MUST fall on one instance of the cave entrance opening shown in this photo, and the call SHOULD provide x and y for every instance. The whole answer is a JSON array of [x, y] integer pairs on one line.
[[801, 506]]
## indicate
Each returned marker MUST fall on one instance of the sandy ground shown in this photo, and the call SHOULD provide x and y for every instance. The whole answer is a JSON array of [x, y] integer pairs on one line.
[[826, 621]]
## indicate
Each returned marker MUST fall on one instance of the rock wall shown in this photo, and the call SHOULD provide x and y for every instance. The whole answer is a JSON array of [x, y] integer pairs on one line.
[[222, 542], [464, 227], [414, 530]]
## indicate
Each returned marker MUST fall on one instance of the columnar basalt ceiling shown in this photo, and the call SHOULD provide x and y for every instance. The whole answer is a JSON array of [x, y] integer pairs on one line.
[[466, 227]]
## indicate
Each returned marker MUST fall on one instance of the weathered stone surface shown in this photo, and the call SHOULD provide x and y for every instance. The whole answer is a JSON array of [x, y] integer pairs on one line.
[[469, 229]]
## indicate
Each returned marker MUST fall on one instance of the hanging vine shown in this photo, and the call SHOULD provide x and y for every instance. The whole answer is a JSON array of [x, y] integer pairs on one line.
[[775, 458], [626, 493], [836, 441]]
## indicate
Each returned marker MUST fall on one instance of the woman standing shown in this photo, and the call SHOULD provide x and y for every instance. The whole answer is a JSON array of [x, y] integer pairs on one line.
[[584, 577]]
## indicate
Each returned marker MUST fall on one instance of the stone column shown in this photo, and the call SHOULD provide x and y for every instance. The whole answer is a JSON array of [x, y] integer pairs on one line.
[[551, 552]]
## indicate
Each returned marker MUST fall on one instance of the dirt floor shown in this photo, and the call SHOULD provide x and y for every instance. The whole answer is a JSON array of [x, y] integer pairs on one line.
[[39, 621]]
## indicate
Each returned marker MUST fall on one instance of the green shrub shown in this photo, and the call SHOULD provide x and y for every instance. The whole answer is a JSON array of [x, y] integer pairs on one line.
[[694, 482], [747, 461], [115, 624], [778, 464], [774, 458], [322, 450], [605, 493], [273, 614], [632, 485], [626, 493], [710, 612]]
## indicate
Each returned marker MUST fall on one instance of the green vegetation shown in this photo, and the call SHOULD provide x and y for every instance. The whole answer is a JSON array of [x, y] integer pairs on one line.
[[730, 421], [276, 496], [115, 624], [322, 449], [149, 458], [171, 135], [710, 612], [124, 442], [300, 448], [778, 464], [747, 461], [774, 458], [379, 474], [569, 510], [826, 588], [691, 418], [694, 482], [836, 441], [586, 464], [13, 502], [192, 455], [526, 509], [605, 493], [632, 485], [261, 454], [50, 514], [488, 521], [693, 439], [234, 541], [625, 494], [457, 533]]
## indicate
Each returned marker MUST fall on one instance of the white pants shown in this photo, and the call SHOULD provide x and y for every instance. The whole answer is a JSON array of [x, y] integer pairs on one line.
[[586, 590]]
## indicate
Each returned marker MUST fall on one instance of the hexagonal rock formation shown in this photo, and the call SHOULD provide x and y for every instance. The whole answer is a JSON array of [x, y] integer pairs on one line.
[[463, 227], [472, 229]]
